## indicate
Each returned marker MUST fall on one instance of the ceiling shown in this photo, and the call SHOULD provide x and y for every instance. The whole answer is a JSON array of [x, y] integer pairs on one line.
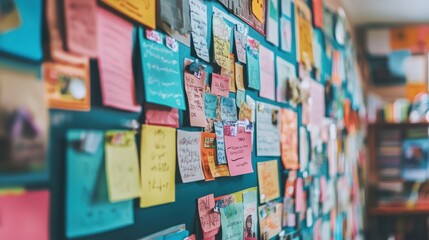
[[390, 12]]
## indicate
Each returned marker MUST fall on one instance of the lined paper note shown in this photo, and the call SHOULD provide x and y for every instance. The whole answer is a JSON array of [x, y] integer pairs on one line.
[[81, 26], [221, 42], [122, 166], [140, 11], [266, 70], [158, 165], [267, 130], [199, 28], [189, 156], [24, 215], [195, 92], [161, 72], [268, 180], [114, 41], [88, 210], [239, 152]]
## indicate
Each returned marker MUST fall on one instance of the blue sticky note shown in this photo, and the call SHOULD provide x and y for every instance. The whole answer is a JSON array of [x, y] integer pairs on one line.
[[210, 105], [161, 71], [88, 210], [253, 69], [228, 109], [26, 40], [220, 143]]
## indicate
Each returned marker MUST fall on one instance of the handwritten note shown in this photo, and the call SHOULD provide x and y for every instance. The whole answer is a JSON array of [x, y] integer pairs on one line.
[[85, 177], [25, 215], [285, 72], [239, 152], [239, 78], [220, 143], [266, 70], [140, 11], [232, 221], [122, 166], [195, 91], [270, 221], [267, 130], [240, 45], [158, 165], [115, 47], [304, 33], [228, 109], [250, 217], [289, 139], [189, 156], [252, 54], [209, 219], [273, 22], [252, 104], [161, 71], [161, 115], [81, 27], [220, 85], [268, 181], [210, 105], [199, 29], [221, 41], [286, 34], [230, 73]]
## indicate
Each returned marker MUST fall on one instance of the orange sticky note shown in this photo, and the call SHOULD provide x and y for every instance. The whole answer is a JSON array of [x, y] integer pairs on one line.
[[25, 216], [208, 154], [258, 9], [142, 11], [268, 180]]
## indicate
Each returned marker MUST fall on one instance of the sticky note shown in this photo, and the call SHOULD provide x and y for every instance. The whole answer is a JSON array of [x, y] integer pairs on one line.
[[270, 222], [115, 45], [250, 206], [158, 165], [25, 215], [232, 221], [209, 219], [289, 139], [268, 181], [240, 45], [161, 71], [239, 152], [273, 22], [258, 9], [199, 29], [81, 26], [189, 156], [252, 54], [304, 33], [220, 85], [122, 165], [161, 115], [140, 11], [228, 109], [221, 41], [285, 72], [195, 92], [267, 130], [88, 210], [239, 77], [210, 105], [266, 70], [220, 143]]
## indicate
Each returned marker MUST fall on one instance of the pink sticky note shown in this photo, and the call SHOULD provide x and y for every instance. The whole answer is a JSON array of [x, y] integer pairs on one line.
[[266, 71], [210, 220], [114, 39], [25, 216], [81, 26], [220, 85], [239, 152], [195, 91], [299, 196], [161, 115]]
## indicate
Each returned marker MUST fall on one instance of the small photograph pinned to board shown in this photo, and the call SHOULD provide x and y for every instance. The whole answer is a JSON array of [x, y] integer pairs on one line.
[[23, 127]]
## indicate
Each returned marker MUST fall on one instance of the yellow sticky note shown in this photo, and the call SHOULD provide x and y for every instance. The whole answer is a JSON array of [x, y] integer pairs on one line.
[[122, 166], [158, 165], [258, 7], [142, 11], [268, 180], [239, 76]]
